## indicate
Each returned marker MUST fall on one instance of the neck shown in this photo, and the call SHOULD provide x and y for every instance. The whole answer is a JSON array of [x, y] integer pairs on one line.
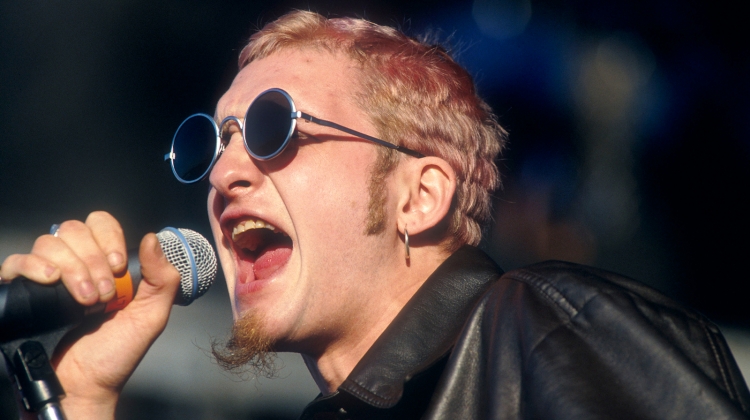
[[333, 364]]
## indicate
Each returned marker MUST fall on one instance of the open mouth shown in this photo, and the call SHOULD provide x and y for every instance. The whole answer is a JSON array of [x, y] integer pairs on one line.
[[261, 245]]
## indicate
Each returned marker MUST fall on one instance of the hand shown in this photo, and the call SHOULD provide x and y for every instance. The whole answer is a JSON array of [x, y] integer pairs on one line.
[[94, 367]]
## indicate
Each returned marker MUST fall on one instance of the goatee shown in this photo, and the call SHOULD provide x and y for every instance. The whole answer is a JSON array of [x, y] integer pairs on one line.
[[248, 349]]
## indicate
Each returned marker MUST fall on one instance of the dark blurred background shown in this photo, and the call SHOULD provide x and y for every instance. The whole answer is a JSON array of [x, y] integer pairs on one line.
[[629, 125]]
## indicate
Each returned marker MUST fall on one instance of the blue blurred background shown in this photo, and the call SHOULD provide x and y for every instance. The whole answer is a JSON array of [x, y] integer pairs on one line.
[[629, 125]]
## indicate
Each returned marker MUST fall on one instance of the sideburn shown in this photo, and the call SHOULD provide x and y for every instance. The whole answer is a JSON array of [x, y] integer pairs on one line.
[[386, 161]]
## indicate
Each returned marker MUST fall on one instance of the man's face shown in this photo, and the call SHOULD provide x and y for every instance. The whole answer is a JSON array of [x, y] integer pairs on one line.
[[304, 265]]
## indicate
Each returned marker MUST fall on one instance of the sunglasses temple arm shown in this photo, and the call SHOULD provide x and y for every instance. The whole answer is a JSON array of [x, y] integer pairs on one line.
[[318, 121]]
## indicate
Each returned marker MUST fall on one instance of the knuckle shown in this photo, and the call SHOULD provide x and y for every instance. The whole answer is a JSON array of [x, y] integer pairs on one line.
[[72, 226], [76, 277], [97, 265], [11, 260], [101, 217], [98, 216], [42, 242]]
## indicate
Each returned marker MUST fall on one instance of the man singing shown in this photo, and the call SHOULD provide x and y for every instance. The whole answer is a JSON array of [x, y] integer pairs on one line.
[[351, 169]]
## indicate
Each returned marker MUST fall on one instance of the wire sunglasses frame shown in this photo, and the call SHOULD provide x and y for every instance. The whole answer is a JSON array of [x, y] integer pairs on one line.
[[294, 114]]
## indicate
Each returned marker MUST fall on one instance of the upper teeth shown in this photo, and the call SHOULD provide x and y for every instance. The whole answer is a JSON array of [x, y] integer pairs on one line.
[[250, 224]]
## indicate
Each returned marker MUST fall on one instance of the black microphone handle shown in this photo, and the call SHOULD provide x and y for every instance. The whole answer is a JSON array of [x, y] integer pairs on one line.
[[28, 308]]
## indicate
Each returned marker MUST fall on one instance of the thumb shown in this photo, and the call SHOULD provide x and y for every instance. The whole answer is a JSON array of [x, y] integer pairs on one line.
[[97, 364], [160, 279]]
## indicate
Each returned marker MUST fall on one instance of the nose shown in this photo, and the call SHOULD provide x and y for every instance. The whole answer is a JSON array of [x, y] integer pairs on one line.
[[235, 172]]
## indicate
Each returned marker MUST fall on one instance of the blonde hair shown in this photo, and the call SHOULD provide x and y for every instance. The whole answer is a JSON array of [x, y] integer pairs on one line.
[[417, 96]]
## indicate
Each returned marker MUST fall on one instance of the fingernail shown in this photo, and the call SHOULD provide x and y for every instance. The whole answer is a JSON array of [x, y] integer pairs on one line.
[[105, 287], [86, 288], [49, 271], [115, 259]]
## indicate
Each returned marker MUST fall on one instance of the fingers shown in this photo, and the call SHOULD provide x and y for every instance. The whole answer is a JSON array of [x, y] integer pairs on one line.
[[32, 267], [86, 256], [77, 276], [109, 236]]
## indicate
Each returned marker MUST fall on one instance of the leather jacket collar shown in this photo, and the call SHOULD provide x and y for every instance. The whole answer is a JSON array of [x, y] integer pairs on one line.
[[423, 333]]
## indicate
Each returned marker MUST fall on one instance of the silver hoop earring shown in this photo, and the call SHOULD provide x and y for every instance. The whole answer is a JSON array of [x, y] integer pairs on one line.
[[406, 244]]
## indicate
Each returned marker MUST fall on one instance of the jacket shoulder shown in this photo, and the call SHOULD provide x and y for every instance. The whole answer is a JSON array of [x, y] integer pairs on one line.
[[558, 340], [623, 325]]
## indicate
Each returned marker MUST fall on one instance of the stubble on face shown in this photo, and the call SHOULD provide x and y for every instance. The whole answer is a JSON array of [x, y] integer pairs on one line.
[[376, 211], [248, 351]]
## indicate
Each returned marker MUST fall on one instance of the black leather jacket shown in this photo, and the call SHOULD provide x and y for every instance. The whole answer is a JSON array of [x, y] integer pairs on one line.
[[550, 341]]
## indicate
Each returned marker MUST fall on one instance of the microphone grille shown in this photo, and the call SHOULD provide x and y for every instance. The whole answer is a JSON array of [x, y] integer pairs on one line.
[[192, 255]]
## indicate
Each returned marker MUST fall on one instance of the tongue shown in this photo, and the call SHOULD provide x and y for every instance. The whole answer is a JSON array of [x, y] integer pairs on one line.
[[272, 258]]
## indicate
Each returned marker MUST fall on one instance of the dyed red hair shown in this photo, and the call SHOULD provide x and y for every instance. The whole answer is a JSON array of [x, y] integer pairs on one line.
[[417, 96]]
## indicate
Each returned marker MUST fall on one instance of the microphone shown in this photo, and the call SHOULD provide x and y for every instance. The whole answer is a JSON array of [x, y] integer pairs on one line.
[[28, 309]]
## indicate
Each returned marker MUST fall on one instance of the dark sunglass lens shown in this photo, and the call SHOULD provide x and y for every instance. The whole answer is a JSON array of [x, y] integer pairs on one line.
[[194, 147], [267, 124]]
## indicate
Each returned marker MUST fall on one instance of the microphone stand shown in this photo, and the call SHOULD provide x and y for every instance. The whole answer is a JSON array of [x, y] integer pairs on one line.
[[29, 333], [35, 379]]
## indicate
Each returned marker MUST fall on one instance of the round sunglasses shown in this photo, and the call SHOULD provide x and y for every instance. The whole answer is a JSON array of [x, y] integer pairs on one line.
[[268, 126]]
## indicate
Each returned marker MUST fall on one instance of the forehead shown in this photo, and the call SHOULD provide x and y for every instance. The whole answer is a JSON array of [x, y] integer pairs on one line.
[[314, 79]]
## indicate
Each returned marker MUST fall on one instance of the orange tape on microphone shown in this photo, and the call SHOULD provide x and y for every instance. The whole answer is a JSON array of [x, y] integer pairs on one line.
[[123, 293]]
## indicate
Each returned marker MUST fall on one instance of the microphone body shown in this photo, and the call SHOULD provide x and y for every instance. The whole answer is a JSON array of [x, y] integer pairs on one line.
[[28, 309]]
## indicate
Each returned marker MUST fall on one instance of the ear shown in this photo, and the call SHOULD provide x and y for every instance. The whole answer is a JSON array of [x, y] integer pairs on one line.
[[426, 190]]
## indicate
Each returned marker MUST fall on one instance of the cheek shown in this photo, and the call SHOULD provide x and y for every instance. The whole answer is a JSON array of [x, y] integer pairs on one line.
[[329, 197]]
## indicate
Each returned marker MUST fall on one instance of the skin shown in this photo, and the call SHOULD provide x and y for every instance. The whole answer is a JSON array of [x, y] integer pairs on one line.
[[339, 289], [317, 193], [93, 369]]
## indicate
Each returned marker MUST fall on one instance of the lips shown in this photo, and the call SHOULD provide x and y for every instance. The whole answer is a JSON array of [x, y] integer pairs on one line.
[[261, 250]]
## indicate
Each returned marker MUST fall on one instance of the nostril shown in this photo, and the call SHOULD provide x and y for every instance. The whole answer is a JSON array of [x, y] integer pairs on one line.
[[241, 183]]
